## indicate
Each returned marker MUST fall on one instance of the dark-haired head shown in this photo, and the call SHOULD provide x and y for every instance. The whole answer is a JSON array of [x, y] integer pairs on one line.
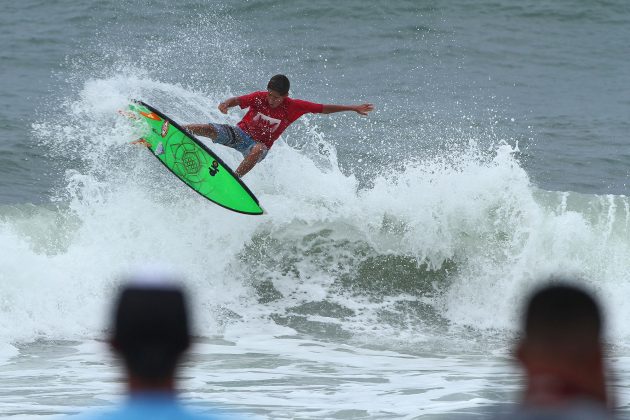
[[562, 346], [562, 312], [151, 330], [280, 84]]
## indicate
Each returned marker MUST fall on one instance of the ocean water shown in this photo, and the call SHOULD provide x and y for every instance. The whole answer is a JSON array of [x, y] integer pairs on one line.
[[387, 278]]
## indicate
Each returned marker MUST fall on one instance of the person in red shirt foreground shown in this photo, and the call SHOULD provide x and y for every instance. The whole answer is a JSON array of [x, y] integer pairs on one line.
[[270, 113], [562, 353]]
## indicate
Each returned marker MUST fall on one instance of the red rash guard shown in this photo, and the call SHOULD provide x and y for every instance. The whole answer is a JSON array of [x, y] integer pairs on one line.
[[265, 124]]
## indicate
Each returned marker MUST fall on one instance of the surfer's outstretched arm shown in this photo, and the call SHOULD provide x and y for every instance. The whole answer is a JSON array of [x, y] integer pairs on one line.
[[228, 103], [362, 109]]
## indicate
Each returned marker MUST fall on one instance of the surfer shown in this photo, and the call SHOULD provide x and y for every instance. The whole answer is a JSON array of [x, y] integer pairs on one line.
[[270, 113]]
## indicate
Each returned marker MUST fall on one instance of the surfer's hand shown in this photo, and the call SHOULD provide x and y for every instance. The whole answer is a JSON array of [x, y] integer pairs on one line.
[[363, 109], [223, 107]]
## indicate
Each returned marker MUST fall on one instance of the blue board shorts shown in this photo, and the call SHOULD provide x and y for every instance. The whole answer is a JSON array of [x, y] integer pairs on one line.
[[237, 139]]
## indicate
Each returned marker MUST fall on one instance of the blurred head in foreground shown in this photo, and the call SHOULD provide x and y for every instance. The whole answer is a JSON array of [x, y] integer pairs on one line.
[[561, 348], [151, 331]]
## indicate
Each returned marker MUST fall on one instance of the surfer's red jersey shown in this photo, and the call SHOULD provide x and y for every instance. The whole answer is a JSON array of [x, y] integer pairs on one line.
[[264, 123]]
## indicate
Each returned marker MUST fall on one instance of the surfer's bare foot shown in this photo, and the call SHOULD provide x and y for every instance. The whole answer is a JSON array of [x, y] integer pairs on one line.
[[142, 142]]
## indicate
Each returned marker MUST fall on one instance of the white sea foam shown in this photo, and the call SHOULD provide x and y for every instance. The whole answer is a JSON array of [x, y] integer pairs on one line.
[[475, 209], [449, 241]]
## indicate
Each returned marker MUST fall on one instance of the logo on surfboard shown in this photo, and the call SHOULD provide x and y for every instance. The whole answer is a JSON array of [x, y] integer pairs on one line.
[[151, 116], [191, 162], [214, 169]]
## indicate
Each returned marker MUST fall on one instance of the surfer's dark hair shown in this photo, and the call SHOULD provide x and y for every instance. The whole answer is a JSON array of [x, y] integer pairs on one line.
[[150, 330], [279, 83]]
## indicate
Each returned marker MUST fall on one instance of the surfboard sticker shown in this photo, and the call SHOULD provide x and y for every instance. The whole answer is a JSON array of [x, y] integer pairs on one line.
[[192, 162]]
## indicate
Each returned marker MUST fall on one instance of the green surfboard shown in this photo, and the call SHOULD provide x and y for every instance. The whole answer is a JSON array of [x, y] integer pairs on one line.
[[192, 162]]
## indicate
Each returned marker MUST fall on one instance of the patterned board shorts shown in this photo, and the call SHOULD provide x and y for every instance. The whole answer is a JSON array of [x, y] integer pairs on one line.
[[234, 137]]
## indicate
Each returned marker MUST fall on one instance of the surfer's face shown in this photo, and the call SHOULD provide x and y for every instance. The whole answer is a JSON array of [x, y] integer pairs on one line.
[[275, 99]]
